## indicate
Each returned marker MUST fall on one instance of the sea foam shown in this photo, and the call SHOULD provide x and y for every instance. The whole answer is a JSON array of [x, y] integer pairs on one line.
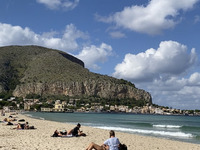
[[151, 132], [166, 126]]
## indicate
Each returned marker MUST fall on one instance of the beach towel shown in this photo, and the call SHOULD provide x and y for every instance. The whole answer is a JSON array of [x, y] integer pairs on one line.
[[67, 136], [63, 136]]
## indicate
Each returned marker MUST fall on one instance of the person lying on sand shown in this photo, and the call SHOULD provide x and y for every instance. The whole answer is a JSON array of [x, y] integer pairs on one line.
[[110, 144], [24, 126], [76, 131], [12, 116], [57, 134], [62, 133], [8, 123], [9, 120]]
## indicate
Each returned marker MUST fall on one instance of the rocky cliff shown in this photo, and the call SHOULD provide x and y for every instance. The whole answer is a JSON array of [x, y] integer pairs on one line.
[[85, 88], [38, 70]]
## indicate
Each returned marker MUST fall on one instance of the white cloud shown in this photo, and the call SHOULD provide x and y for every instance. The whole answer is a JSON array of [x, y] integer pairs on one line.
[[16, 35], [52, 4], [164, 68], [176, 92], [57, 4], [68, 4], [92, 55], [171, 58], [117, 34], [66, 41], [194, 79], [157, 16]]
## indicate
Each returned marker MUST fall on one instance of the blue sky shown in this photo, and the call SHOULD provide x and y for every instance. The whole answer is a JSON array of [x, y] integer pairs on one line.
[[152, 43]]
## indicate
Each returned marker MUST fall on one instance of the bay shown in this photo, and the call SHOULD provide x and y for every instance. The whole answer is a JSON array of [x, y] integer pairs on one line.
[[180, 128]]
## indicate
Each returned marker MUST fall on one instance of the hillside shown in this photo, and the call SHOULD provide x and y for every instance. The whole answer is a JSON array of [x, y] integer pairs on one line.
[[37, 70]]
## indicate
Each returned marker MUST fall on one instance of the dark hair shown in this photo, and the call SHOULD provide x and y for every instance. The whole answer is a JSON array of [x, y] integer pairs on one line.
[[112, 133], [78, 124]]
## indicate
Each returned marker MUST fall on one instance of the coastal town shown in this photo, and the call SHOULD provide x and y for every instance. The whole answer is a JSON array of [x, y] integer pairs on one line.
[[71, 106]]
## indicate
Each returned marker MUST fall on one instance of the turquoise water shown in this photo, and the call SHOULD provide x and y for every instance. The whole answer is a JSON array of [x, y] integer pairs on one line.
[[181, 128]]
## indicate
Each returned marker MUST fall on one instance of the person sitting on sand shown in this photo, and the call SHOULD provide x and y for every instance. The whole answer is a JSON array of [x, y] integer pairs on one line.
[[19, 126], [110, 144], [76, 131], [26, 126]]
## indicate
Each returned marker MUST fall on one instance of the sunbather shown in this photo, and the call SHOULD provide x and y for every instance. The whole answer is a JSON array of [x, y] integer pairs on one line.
[[9, 120], [24, 126], [19, 126], [76, 131], [110, 144]]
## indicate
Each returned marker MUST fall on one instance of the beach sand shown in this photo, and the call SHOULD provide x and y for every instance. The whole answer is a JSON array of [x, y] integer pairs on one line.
[[40, 138]]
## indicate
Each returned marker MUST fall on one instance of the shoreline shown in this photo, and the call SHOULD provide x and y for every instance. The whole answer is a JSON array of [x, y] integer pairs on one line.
[[40, 138], [115, 112]]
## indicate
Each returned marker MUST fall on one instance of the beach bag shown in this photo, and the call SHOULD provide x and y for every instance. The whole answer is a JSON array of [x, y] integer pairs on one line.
[[122, 147]]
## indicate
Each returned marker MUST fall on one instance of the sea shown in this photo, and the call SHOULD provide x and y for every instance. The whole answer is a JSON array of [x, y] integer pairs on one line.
[[173, 127]]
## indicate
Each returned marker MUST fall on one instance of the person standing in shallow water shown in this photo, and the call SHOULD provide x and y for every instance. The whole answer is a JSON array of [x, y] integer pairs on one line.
[[110, 144]]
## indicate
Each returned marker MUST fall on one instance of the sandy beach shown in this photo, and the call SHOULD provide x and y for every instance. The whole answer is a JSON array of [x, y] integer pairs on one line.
[[40, 138]]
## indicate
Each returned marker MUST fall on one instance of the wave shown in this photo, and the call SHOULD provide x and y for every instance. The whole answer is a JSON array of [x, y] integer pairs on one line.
[[151, 132], [28, 115], [41, 118], [31, 116], [155, 125], [179, 127], [167, 126]]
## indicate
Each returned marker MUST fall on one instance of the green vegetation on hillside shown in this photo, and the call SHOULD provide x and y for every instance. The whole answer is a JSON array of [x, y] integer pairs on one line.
[[27, 64]]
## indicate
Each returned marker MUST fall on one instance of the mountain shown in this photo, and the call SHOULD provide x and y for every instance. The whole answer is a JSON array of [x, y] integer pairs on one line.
[[37, 70]]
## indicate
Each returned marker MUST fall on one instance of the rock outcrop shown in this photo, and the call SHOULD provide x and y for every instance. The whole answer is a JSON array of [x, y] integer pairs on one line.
[[42, 71], [88, 88]]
